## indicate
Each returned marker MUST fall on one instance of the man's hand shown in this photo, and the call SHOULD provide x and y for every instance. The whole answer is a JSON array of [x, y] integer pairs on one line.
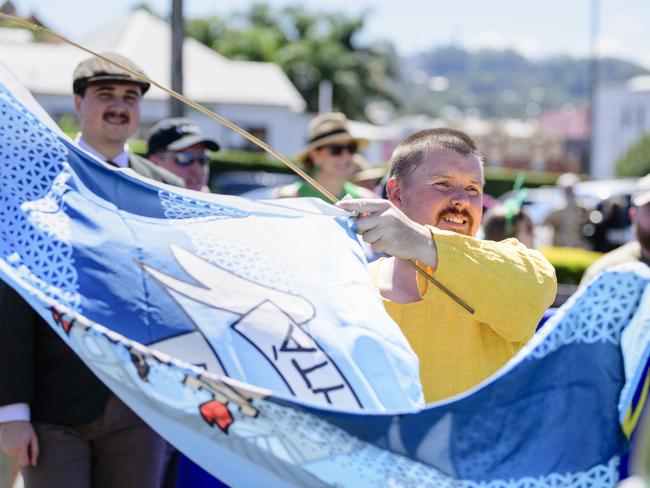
[[388, 230], [19, 441]]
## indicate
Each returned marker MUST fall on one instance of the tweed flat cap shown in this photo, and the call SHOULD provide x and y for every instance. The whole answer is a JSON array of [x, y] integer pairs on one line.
[[97, 70]]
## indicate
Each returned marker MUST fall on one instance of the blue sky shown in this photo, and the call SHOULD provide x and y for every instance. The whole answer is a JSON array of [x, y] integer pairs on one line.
[[537, 28]]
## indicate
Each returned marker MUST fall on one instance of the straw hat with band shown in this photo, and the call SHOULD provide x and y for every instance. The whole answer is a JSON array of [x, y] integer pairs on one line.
[[375, 173], [96, 70], [364, 172], [330, 128]]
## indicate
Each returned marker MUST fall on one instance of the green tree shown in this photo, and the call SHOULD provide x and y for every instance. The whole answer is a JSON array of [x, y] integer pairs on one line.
[[310, 47], [206, 30], [636, 160], [146, 7]]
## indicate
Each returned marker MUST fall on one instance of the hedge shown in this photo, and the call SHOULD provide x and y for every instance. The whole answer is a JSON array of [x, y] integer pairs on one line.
[[230, 160], [497, 180], [501, 180], [570, 263]]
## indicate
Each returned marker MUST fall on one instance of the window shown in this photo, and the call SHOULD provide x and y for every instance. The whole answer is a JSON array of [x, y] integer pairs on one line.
[[260, 133]]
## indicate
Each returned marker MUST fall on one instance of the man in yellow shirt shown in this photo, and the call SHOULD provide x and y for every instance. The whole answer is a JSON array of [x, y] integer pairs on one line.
[[433, 212]]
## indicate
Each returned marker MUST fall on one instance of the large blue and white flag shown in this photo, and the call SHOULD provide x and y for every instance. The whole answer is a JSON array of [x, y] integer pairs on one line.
[[249, 335], [275, 295]]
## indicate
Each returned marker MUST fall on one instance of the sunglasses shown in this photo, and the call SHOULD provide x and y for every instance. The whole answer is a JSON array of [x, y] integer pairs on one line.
[[187, 158], [337, 149]]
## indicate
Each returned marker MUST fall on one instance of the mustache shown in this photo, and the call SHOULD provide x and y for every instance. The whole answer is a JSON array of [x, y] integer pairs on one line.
[[114, 113], [458, 212], [453, 211]]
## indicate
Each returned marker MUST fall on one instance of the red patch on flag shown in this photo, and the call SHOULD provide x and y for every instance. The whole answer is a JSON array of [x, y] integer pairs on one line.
[[215, 412], [58, 318]]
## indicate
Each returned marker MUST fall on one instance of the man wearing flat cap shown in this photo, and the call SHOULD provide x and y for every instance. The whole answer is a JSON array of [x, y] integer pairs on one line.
[[107, 100], [57, 420], [639, 248], [179, 146]]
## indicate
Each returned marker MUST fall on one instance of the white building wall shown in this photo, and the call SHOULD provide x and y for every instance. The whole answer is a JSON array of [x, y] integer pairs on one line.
[[286, 130], [56, 105], [622, 117]]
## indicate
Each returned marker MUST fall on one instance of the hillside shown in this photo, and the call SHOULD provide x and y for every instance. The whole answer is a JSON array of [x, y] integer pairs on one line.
[[501, 83]]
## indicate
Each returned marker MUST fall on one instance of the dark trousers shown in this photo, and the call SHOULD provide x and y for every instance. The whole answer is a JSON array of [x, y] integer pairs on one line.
[[115, 450]]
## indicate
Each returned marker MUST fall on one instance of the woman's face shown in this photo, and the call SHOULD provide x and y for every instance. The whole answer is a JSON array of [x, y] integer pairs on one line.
[[334, 160]]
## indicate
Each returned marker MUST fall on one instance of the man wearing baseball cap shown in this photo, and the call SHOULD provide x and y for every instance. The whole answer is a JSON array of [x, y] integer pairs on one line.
[[57, 419], [179, 146], [639, 248]]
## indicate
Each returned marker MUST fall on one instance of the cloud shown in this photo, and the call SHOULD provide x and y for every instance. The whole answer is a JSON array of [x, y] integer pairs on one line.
[[612, 46], [627, 22], [493, 40], [616, 47]]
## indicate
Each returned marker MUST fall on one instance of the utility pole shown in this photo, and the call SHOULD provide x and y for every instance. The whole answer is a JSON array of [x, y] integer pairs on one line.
[[325, 96], [593, 81], [176, 107]]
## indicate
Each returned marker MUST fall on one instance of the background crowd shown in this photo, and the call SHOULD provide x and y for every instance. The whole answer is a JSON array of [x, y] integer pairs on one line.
[[108, 445]]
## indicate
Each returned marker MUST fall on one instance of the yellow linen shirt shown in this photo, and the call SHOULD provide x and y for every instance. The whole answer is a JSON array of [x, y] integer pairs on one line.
[[508, 285]]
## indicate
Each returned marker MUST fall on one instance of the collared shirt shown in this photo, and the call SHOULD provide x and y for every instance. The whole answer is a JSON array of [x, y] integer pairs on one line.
[[121, 160], [15, 412]]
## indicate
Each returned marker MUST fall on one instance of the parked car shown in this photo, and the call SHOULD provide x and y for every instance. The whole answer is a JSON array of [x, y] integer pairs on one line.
[[244, 183]]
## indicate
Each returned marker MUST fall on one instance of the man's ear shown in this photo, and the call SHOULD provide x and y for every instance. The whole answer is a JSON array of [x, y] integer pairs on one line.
[[632, 213], [77, 103], [394, 191]]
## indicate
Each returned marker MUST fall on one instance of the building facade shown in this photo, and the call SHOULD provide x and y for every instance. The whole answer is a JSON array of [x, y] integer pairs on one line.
[[622, 116]]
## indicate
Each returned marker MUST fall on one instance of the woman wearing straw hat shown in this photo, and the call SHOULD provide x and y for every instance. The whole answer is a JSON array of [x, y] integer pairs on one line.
[[328, 157]]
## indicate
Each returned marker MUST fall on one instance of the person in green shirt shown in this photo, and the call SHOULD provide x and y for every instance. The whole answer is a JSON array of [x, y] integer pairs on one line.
[[328, 157]]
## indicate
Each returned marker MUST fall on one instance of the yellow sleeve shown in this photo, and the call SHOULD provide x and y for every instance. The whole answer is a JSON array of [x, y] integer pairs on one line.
[[508, 285]]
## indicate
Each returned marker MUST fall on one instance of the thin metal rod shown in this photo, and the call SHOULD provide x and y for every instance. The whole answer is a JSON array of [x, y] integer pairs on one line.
[[442, 287], [232, 126]]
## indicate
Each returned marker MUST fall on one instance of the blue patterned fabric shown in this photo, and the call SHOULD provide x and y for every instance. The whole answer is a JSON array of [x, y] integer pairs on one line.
[[249, 335], [221, 282]]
